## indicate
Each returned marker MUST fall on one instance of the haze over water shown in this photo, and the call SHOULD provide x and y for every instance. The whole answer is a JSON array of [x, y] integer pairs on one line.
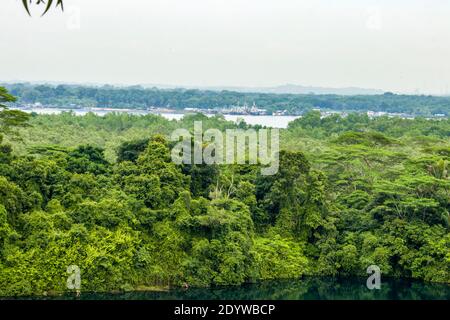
[[268, 121]]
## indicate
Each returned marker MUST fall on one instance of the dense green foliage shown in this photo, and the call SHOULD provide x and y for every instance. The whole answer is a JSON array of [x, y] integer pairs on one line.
[[139, 97], [10, 119], [102, 193]]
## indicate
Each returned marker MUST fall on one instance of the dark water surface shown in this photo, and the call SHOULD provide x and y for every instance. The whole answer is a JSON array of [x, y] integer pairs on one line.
[[310, 288]]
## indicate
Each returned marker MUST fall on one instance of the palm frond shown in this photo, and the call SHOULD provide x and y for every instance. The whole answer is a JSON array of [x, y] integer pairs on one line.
[[48, 5], [25, 4]]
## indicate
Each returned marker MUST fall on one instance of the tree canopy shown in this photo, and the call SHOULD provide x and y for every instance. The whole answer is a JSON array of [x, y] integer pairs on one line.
[[102, 193]]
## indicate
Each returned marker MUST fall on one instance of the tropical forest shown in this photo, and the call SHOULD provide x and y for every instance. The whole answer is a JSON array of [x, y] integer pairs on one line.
[[102, 193]]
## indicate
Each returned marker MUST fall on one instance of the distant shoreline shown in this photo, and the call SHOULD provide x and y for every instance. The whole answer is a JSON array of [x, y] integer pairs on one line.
[[148, 111]]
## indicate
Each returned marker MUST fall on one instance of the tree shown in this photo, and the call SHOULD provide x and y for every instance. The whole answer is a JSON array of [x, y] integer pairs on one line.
[[87, 159], [10, 119], [5, 230], [130, 150]]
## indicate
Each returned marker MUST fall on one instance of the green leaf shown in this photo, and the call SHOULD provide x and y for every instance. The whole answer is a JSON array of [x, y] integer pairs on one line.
[[25, 4], [49, 4]]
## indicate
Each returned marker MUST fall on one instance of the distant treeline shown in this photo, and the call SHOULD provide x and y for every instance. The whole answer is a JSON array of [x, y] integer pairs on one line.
[[139, 97]]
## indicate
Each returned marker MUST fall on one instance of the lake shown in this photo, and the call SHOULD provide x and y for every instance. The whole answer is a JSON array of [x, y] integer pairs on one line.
[[268, 121], [308, 288]]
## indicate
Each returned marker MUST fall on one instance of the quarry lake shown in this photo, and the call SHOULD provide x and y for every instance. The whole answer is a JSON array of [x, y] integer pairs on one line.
[[268, 121], [308, 288]]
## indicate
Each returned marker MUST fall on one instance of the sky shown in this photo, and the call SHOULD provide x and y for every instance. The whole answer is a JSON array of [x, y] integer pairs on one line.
[[400, 46]]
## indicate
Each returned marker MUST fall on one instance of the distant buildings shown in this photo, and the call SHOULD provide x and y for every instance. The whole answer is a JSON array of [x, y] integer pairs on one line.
[[245, 110], [374, 114], [161, 110], [235, 110], [280, 113]]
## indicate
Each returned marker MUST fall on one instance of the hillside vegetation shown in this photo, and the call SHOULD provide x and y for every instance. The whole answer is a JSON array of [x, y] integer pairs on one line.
[[102, 193]]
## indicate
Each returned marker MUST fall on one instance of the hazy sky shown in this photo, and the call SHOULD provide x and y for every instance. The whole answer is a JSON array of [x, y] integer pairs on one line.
[[401, 45]]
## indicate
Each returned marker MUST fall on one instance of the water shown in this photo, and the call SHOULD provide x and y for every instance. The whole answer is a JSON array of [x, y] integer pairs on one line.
[[309, 288], [268, 121]]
